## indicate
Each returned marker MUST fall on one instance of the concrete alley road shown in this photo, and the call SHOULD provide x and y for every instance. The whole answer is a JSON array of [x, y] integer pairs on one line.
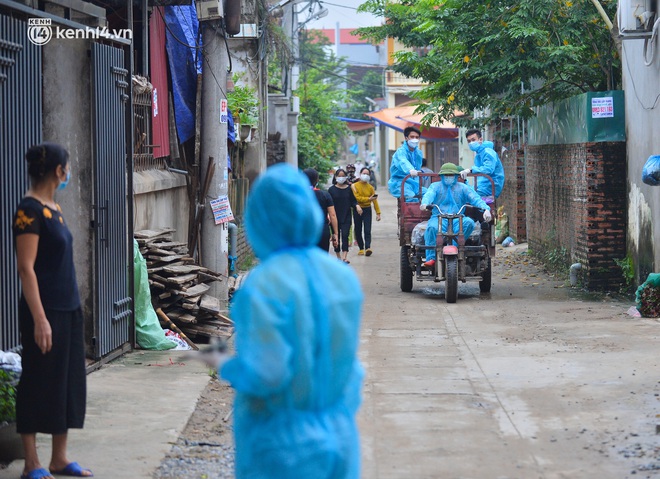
[[529, 381]]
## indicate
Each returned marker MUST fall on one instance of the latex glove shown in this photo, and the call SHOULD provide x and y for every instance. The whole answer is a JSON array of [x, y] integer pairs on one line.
[[215, 355], [464, 173], [214, 359], [423, 207], [487, 216], [413, 172]]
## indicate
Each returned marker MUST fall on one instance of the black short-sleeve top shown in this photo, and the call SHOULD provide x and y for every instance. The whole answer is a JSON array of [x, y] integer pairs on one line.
[[53, 265], [325, 201]]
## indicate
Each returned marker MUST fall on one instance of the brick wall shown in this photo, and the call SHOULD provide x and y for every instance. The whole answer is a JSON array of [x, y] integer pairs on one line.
[[576, 199], [512, 197]]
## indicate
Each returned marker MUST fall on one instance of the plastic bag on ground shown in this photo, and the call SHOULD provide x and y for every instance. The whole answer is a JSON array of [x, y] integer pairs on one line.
[[651, 171], [175, 337], [149, 333], [647, 297]]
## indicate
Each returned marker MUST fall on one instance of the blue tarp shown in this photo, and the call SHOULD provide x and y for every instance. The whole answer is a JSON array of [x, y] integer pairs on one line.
[[185, 63], [231, 129]]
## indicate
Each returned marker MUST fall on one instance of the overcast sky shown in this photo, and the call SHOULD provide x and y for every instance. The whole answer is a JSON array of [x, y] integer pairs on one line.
[[345, 13]]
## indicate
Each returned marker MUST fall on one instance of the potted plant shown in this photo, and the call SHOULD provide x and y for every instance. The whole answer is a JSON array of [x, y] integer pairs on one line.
[[244, 105], [11, 446]]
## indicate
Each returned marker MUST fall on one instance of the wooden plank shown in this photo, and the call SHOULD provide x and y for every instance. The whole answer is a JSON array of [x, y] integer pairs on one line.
[[207, 277], [195, 290], [186, 319], [165, 295], [183, 269], [150, 234], [215, 322], [155, 252], [167, 244], [209, 303], [156, 284], [169, 259], [205, 330], [186, 278], [192, 299], [190, 306]]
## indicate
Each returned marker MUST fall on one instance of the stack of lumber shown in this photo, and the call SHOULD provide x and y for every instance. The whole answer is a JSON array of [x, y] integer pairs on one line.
[[179, 286]]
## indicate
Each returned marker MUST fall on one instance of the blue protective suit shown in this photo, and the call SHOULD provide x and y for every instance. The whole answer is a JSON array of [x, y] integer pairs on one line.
[[404, 160], [297, 317], [487, 162], [450, 199]]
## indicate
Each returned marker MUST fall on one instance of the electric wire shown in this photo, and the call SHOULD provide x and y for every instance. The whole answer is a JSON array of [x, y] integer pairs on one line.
[[632, 81]]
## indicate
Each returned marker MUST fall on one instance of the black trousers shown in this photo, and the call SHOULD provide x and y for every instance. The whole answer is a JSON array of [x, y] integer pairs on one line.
[[52, 394], [363, 222], [324, 242], [342, 237]]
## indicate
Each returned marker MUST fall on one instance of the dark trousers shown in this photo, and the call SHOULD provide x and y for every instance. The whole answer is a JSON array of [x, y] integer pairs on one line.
[[342, 237], [324, 242], [51, 395], [363, 221]]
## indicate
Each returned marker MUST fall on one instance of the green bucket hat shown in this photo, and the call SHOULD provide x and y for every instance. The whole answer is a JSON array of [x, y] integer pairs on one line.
[[449, 169]]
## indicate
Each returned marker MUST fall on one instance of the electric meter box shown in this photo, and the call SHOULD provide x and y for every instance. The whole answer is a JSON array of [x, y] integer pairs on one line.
[[636, 16], [209, 9]]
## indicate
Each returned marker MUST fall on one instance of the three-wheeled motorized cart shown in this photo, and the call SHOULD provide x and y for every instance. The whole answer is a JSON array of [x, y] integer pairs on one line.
[[457, 258]]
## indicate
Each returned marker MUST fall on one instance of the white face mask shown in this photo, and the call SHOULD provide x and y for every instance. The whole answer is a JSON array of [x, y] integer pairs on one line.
[[341, 180], [449, 179], [365, 178], [413, 143]]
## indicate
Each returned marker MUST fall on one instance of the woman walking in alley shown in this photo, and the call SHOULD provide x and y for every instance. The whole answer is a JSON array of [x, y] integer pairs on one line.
[[344, 200], [365, 194], [51, 395]]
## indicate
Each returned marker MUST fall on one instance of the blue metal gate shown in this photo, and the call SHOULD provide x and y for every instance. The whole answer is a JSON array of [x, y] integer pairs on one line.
[[20, 127], [110, 101]]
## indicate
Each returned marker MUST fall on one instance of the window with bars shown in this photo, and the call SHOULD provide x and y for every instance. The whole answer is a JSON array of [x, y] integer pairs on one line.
[[143, 157]]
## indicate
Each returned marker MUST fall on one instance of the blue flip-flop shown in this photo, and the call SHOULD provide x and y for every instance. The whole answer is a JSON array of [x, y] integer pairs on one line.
[[36, 474], [72, 469]]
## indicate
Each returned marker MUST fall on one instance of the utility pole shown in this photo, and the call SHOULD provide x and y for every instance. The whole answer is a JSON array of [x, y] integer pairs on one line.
[[213, 156], [291, 27]]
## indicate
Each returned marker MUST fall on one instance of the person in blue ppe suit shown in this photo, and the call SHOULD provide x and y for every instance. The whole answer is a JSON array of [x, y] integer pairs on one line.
[[297, 318], [450, 195], [487, 162], [407, 160]]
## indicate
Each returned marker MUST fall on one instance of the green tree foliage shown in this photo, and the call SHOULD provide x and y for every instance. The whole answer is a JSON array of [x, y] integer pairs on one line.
[[369, 86], [500, 56], [319, 132]]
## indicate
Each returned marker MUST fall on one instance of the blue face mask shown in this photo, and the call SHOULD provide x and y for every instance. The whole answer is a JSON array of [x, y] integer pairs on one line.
[[63, 184], [413, 143], [474, 145], [449, 180]]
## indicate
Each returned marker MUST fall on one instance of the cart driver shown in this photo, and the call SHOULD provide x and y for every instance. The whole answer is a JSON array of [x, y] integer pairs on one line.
[[450, 195], [407, 160]]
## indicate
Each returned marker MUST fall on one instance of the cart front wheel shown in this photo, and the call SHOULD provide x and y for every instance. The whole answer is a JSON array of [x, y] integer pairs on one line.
[[451, 279]]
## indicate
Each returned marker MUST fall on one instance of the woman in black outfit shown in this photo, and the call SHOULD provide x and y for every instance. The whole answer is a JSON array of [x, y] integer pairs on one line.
[[329, 231], [51, 394], [344, 200]]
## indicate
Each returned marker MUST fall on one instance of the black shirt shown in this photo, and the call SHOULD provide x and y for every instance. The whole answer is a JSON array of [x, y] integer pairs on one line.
[[325, 200], [53, 265], [344, 200]]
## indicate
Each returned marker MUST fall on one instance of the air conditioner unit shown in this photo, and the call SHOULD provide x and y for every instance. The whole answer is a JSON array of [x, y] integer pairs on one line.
[[636, 17], [209, 9]]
